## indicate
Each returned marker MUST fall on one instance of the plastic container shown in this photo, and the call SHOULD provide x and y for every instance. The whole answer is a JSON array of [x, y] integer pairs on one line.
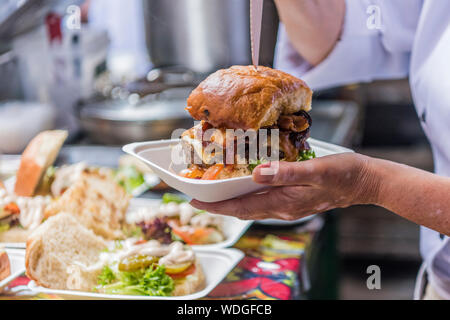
[[159, 154], [216, 265]]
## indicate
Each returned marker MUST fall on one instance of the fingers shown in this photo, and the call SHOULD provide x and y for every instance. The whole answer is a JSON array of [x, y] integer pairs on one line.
[[313, 172], [271, 204], [285, 173]]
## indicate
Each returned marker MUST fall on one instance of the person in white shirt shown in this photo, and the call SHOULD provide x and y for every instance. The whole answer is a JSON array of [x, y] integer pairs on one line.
[[330, 43]]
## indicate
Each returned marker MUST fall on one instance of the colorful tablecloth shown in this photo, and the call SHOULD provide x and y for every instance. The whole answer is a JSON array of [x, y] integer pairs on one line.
[[273, 266]]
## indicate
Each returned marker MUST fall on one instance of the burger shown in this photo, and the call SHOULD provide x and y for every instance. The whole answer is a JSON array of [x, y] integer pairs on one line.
[[239, 100]]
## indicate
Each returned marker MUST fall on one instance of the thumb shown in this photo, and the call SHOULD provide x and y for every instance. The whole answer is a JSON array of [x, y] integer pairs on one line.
[[283, 173]]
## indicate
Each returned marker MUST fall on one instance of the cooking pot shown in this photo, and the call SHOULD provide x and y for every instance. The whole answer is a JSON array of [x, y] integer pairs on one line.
[[205, 35]]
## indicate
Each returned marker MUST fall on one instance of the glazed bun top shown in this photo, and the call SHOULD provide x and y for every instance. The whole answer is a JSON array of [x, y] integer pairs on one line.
[[242, 97]]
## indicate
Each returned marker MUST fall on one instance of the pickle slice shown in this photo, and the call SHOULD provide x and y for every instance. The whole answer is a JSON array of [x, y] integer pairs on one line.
[[137, 262], [178, 268]]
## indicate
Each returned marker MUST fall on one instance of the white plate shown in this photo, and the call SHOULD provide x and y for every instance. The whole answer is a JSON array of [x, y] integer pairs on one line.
[[150, 181], [284, 223], [233, 228], [216, 265], [158, 155], [17, 263], [14, 245]]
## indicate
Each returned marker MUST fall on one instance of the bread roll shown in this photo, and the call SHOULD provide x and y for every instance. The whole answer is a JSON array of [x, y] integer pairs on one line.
[[242, 98], [40, 153], [59, 252], [97, 201]]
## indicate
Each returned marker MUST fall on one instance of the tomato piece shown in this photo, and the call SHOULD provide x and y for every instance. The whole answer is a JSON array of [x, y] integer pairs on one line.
[[213, 172], [185, 273], [183, 235], [192, 236], [194, 172], [12, 207]]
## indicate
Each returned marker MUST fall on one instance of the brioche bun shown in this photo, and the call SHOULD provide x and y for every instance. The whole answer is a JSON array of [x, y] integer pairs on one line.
[[242, 97]]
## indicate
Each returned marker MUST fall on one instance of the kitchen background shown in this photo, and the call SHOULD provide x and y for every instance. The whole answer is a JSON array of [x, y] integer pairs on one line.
[[114, 71]]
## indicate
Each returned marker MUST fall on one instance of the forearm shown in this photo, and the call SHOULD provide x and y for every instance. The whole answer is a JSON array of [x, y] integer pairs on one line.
[[313, 26], [414, 194]]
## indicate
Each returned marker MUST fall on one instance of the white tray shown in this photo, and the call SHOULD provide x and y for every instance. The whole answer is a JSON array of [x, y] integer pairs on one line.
[[158, 155], [233, 228], [216, 265], [17, 262], [284, 223]]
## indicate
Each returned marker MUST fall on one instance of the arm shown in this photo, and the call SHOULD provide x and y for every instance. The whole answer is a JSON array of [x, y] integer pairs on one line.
[[304, 188], [330, 44], [313, 26]]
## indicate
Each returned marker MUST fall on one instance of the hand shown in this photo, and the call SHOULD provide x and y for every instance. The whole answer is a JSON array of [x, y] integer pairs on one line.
[[300, 189], [313, 26]]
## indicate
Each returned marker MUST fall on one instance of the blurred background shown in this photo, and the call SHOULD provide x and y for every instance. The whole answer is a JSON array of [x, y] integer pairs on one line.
[[114, 71]]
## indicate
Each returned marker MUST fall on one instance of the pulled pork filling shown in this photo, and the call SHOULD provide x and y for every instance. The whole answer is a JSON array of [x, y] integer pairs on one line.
[[293, 133]]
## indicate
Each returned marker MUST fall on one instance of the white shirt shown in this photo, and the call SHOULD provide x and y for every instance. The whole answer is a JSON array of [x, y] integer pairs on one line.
[[413, 39]]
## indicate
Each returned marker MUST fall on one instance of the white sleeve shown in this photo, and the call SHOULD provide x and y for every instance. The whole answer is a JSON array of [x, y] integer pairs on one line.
[[366, 50]]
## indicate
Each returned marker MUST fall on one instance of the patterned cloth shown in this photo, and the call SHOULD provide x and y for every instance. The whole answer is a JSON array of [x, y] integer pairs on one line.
[[272, 269]]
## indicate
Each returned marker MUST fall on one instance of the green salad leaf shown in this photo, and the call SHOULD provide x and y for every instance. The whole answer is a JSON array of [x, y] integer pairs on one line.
[[129, 178], [106, 277], [152, 281], [254, 163], [170, 197], [306, 155]]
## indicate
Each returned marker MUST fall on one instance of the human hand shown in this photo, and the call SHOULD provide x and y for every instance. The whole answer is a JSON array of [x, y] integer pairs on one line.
[[299, 189]]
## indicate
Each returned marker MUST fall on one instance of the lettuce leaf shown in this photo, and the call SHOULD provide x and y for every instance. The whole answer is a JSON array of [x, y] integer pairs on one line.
[[306, 155], [152, 281], [106, 277], [255, 163], [129, 178], [170, 197]]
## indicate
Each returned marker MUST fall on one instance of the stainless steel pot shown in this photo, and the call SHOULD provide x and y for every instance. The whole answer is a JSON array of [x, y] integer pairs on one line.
[[116, 122], [203, 35]]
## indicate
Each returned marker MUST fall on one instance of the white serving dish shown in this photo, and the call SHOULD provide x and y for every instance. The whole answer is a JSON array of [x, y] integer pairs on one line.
[[17, 263], [216, 265], [158, 155], [284, 223], [233, 228]]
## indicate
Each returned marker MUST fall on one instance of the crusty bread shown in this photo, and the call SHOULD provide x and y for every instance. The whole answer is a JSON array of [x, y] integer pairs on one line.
[[15, 234], [40, 153], [5, 267], [97, 201], [241, 97], [59, 252], [193, 282], [63, 254]]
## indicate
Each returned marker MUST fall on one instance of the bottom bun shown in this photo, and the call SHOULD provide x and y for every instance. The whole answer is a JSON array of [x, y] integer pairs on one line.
[[192, 283], [15, 235]]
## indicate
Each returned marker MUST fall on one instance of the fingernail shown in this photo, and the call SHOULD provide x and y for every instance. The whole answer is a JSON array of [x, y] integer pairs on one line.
[[265, 165], [260, 177]]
